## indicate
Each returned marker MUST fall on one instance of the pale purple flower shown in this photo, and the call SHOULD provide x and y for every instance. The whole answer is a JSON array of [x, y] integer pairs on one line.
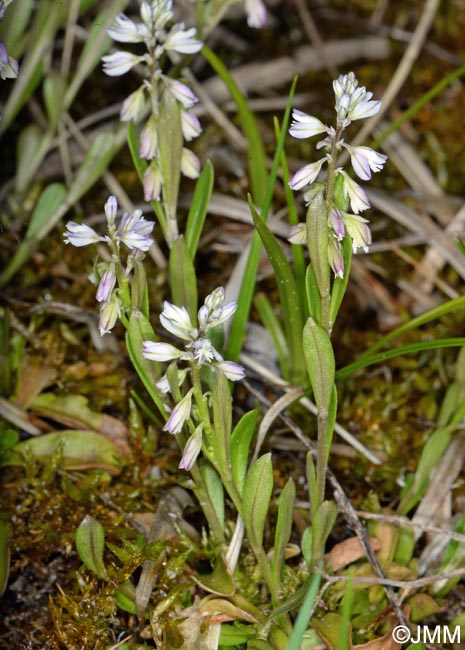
[[111, 208], [78, 234], [336, 222], [8, 65], [190, 164], [149, 139], [192, 449], [160, 351], [125, 30], [305, 126], [133, 106], [179, 414], [134, 231], [256, 13], [357, 195], [232, 371], [190, 125], [182, 41], [119, 63], [306, 175], [181, 92], [107, 283], [365, 160], [109, 314]]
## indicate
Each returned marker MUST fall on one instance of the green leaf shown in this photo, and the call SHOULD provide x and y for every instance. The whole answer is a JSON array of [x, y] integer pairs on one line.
[[219, 581], [399, 352], [54, 88], [222, 417], [170, 148], [319, 357], [77, 449], [288, 297], [283, 529], [313, 295], [256, 154], [240, 444], [138, 331], [90, 543], [14, 24], [183, 281], [257, 495], [317, 242], [49, 202], [125, 597], [241, 316], [199, 208], [139, 289], [215, 491], [272, 324], [322, 526], [302, 621]]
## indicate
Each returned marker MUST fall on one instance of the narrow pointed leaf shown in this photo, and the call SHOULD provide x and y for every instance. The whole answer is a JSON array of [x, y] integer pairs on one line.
[[257, 495], [183, 281], [283, 529], [199, 208], [240, 444], [319, 357]]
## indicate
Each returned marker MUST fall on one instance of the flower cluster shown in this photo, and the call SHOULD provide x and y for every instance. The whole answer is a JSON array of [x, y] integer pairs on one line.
[[353, 102], [197, 347], [198, 350], [256, 13], [159, 42], [135, 233]]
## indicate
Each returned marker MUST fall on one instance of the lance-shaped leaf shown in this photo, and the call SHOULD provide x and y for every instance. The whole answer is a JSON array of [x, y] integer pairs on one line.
[[222, 417], [183, 281], [288, 296], [283, 529], [170, 149], [240, 444], [317, 241], [257, 494], [199, 208], [319, 357], [322, 525], [90, 542]]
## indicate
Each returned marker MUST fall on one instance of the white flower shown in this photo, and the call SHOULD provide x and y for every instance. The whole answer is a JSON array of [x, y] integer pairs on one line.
[[160, 351], [133, 106], [335, 259], [176, 320], [78, 234], [111, 208], [179, 414], [190, 164], [119, 63], [125, 31], [232, 371], [358, 231], [213, 312], [336, 222], [353, 102], [181, 92], [182, 41], [365, 160], [192, 449], [357, 195], [190, 125], [107, 283], [149, 139], [256, 13], [305, 126], [109, 314], [306, 175], [203, 351], [134, 231], [152, 182], [298, 234]]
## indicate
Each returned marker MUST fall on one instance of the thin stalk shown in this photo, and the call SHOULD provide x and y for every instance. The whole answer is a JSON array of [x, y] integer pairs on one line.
[[203, 498]]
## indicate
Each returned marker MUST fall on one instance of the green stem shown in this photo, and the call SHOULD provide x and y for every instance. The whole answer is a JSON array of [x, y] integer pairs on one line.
[[204, 500]]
